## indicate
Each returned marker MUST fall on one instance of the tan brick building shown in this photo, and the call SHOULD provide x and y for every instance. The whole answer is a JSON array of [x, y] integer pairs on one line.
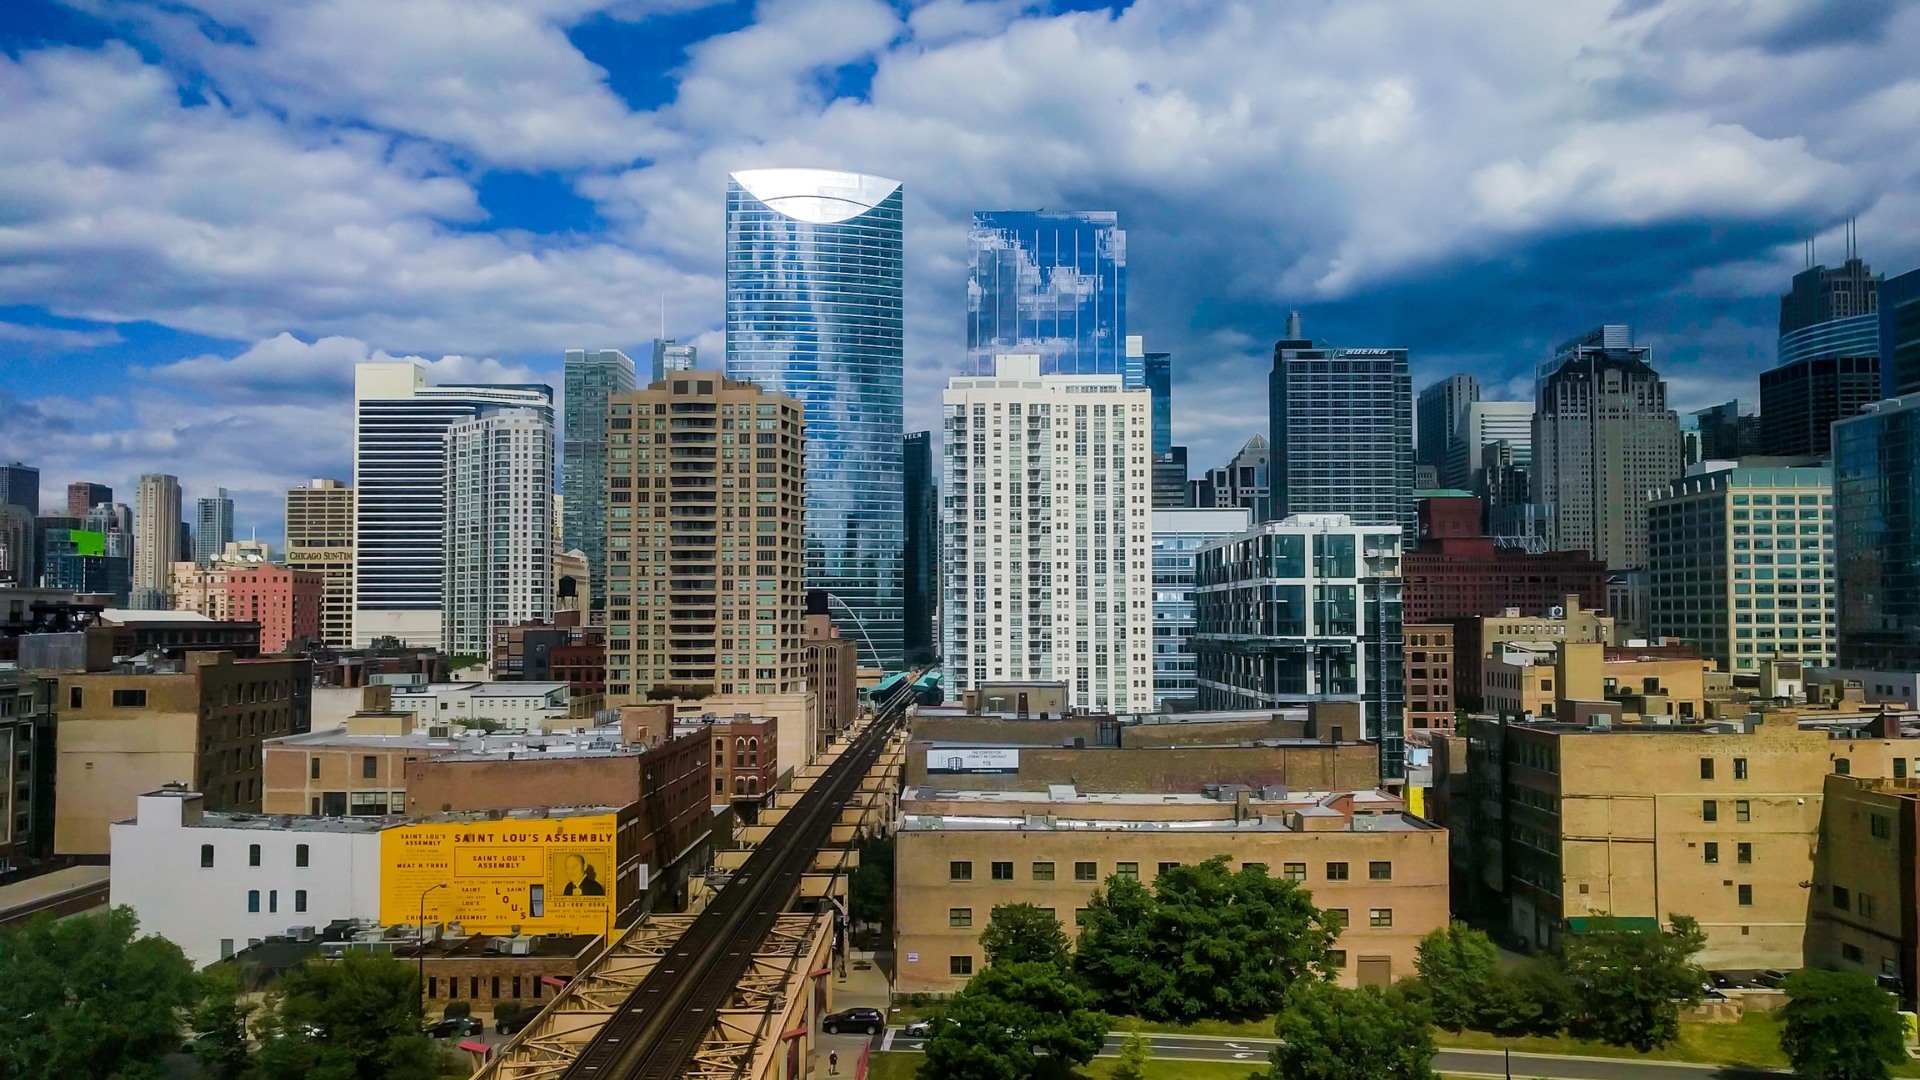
[[833, 674], [1864, 881], [1430, 698], [120, 735], [490, 972], [320, 540], [959, 855]]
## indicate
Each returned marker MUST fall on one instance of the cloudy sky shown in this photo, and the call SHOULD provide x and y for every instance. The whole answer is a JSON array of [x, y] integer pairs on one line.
[[210, 209]]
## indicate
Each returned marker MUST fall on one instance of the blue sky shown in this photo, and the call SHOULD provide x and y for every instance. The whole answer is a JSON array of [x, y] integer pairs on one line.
[[210, 209]]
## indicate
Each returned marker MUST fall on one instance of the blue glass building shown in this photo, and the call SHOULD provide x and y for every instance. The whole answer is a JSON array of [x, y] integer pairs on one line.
[[1876, 493], [1052, 282], [814, 289]]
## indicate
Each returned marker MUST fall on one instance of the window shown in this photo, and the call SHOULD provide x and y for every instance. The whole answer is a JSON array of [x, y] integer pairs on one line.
[[1043, 871], [1842, 766], [1851, 952], [313, 768], [960, 916], [1260, 866], [1709, 810], [129, 699], [1380, 917], [1746, 896], [369, 767], [1079, 916], [299, 899], [1899, 768], [1868, 906], [1003, 871], [960, 871], [1086, 871], [1743, 853], [253, 854], [1336, 871], [1842, 899], [273, 900], [1742, 810], [253, 900], [206, 855], [1881, 825], [1712, 852], [1336, 918], [1706, 768], [74, 697], [299, 854], [1336, 958], [1295, 871], [1166, 866], [1379, 871], [1739, 768], [960, 965], [1127, 870]]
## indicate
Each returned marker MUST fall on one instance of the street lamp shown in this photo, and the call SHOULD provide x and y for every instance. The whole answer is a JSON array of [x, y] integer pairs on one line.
[[420, 951]]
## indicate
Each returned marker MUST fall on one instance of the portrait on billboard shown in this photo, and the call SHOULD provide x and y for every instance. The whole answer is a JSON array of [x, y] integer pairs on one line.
[[577, 873]]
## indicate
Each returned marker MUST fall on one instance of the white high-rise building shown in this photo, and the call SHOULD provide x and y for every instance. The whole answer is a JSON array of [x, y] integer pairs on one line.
[[156, 540], [1482, 423], [499, 526], [400, 494], [1045, 522]]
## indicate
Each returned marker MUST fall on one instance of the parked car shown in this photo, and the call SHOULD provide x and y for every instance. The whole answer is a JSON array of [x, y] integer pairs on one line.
[[508, 1019], [867, 1020], [455, 1027], [1770, 978], [919, 1029]]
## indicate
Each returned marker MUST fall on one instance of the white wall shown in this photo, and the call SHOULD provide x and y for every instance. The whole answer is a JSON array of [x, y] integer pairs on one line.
[[156, 870]]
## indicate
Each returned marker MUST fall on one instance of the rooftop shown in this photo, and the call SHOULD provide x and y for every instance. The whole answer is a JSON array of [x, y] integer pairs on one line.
[[126, 616], [1365, 811], [459, 741], [533, 813]]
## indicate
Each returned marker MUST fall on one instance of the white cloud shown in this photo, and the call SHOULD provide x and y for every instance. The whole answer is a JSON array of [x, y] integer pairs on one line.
[[55, 337]]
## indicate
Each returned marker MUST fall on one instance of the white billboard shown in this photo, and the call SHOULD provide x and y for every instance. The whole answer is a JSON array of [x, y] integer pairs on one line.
[[972, 760]]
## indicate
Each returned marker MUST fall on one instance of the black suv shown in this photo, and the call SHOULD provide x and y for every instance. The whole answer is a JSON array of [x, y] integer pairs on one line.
[[454, 1027], [867, 1020], [508, 1019]]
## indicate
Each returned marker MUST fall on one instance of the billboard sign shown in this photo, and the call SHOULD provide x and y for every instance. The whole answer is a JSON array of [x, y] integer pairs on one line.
[[543, 875], [972, 759]]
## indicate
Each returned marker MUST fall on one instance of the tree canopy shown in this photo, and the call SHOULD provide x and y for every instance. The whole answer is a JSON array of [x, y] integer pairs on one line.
[[1629, 984], [1840, 1026], [1204, 943], [355, 1018], [1458, 964], [870, 890], [1328, 1032], [1013, 1021], [1023, 933], [84, 999]]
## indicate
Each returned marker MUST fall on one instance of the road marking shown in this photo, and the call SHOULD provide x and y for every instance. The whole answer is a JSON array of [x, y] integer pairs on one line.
[[886, 1041]]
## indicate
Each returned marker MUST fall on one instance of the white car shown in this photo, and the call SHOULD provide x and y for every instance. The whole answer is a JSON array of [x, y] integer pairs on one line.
[[919, 1029]]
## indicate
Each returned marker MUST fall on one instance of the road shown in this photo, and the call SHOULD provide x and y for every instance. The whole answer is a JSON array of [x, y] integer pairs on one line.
[[1469, 1062]]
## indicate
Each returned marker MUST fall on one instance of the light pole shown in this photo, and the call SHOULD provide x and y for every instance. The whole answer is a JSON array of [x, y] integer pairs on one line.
[[420, 951]]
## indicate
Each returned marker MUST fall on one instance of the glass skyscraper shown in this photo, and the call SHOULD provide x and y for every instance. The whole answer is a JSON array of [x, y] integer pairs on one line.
[[814, 285], [1341, 433], [1052, 282], [592, 376], [1876, 488]]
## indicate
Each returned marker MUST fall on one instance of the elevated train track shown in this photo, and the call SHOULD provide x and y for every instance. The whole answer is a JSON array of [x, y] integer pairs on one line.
[[664, 1027]]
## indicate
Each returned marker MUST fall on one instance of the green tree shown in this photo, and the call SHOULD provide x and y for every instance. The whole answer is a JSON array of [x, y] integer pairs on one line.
[[1629, 984], [1014, 1022], [355, 1018], [1023, 933], [1205, 943], [870, 890], [1458, 964], [220, 1021], [1328, 1032], [1840, 1026], [1532, 999], [1134, 1055], [83, 999]]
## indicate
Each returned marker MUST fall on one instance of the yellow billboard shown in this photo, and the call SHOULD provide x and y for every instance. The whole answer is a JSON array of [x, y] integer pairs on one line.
[[542, 875]]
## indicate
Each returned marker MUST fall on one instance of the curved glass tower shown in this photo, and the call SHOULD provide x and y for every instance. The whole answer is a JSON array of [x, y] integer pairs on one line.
[[813, 310]]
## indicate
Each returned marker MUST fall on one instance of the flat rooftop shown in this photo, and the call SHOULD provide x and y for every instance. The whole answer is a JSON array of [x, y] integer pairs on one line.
[[466, 742], [1372, 811], [536, 813]]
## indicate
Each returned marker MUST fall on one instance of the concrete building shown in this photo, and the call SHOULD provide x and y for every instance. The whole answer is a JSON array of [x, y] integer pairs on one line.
[[499, 501], [171, 635], [214, 883], [320, 541], [19, 534], [670, 355], [1440, 414], [1741, 565], [1482, 424], [495, 971], [1895, 687], [286, 603], [514, 706], [1900, 335], [819, 232], [400, 494], [1430, 671], [20, 486], [156, 540], [114, 521], [1021, 468], [1876, 487], [1862, 912], [745, 767], [120, 735], [358, 769], [1246, 481], [592, 378], [27, 765], [1476, 639], [1342, 433], [1458, 572], [1573, 822], [212, 527], [833, 674], [1603, 438], [1726, 432], [1169, 466], [84, 495], [1178, 536], [958, 854], [698, 595], [922, 555], [1306, 609]]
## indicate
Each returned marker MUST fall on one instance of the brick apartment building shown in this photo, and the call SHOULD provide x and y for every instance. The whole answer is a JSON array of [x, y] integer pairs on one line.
[[1458, 572]]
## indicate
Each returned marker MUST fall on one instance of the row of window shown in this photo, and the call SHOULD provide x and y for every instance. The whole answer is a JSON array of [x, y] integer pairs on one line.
[[962, 870], [300, 857], [1379, 918], [273, 900]]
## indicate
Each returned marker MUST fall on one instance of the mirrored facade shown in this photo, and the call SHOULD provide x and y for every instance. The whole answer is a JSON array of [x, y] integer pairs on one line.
[[814, 310], [1052, 282]]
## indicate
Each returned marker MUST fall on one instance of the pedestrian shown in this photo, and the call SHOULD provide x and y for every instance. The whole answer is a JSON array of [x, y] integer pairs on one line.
[[833, 1062]]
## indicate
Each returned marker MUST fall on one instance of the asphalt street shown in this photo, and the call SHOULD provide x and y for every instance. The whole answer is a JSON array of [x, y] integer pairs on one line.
[[1472, 1062]]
